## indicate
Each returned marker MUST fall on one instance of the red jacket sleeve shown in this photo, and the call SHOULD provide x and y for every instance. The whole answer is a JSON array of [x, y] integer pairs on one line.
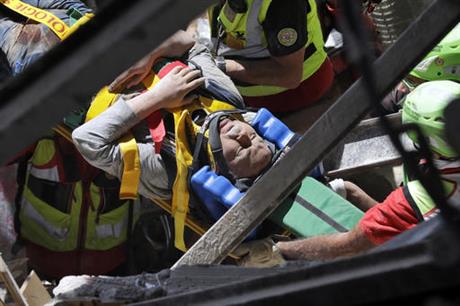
[[389, 218]]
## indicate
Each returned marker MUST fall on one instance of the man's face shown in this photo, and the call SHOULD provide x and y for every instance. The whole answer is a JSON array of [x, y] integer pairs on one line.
[[244, 150]]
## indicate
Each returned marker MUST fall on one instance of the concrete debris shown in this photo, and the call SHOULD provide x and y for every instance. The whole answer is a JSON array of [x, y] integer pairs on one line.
[[109, 289]]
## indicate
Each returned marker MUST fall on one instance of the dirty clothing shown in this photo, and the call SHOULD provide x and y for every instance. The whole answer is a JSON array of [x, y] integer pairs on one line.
[[97, 142], [23, 41], [97, 139], [71, 218]]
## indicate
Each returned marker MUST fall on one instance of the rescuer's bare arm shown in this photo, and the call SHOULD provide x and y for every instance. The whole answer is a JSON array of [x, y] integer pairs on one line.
[[285, 71], [327, 246]]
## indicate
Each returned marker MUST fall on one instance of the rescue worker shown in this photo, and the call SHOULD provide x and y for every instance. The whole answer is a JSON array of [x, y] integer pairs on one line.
[[407, 206], [71, 220], [441, 63], [68, 214], [329, 10], [273, 50]]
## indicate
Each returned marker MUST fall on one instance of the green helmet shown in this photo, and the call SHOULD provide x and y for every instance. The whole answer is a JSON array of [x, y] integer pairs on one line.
[[425, 106], [443, 62]]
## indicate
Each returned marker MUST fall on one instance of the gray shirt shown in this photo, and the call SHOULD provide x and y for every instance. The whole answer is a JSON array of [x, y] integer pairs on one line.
[[97, 141]]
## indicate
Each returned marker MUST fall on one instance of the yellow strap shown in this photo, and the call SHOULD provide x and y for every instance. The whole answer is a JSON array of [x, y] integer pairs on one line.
[[150, 80], [190, 223], [194, 226], [180, 197], [179, 207], [103, 100], [84, 19], [55, 24], [131, 168], [64, 132], [128, 147], [184, 159]]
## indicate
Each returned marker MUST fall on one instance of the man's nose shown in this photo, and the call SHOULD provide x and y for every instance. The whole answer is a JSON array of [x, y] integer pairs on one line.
[[244, 140]]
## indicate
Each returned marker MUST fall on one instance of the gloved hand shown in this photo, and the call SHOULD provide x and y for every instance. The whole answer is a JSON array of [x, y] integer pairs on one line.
[[259, 254], [338, 186]]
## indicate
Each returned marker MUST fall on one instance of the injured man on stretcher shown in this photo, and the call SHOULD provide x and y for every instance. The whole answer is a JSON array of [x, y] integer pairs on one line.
[[242, 153], [207, 133]]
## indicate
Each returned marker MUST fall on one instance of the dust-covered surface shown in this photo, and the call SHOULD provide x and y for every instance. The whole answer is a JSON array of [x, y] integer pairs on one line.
[[191, 278], [112, 289], [149, 286]]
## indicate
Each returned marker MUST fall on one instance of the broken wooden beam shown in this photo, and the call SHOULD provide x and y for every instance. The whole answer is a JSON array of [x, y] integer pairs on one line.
[[10, 283], [33, 290]]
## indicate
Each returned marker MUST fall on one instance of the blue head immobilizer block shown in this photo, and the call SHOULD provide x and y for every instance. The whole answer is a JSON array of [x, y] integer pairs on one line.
[[216, 192], [272, 129]]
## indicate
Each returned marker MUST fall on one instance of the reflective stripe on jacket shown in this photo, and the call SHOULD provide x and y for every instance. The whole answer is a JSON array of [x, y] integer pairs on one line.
[[255, 45], [68, 205]]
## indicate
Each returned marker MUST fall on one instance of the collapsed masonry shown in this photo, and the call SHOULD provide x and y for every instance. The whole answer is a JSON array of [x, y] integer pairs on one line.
[[353, 103]]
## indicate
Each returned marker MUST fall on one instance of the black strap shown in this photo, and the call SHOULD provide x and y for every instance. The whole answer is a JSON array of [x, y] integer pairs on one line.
[[412, 204], [56, 194], [196, 152], [309, 51], [216, 147], [168, 150], [213, 121], [308, 7], [196, 208], [214, 22]]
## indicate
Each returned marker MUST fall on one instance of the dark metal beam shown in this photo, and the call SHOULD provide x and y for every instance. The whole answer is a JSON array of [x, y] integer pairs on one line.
[[268, 193], [425, 264], [71, 73]]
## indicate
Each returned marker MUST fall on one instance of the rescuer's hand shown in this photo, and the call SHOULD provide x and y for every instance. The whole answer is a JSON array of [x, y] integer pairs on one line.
[[172, 90], [133, 75], [174, 46], [259, 254]]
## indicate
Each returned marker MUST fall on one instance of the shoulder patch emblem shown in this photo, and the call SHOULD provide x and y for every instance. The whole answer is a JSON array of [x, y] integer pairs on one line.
[[287, 37]]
